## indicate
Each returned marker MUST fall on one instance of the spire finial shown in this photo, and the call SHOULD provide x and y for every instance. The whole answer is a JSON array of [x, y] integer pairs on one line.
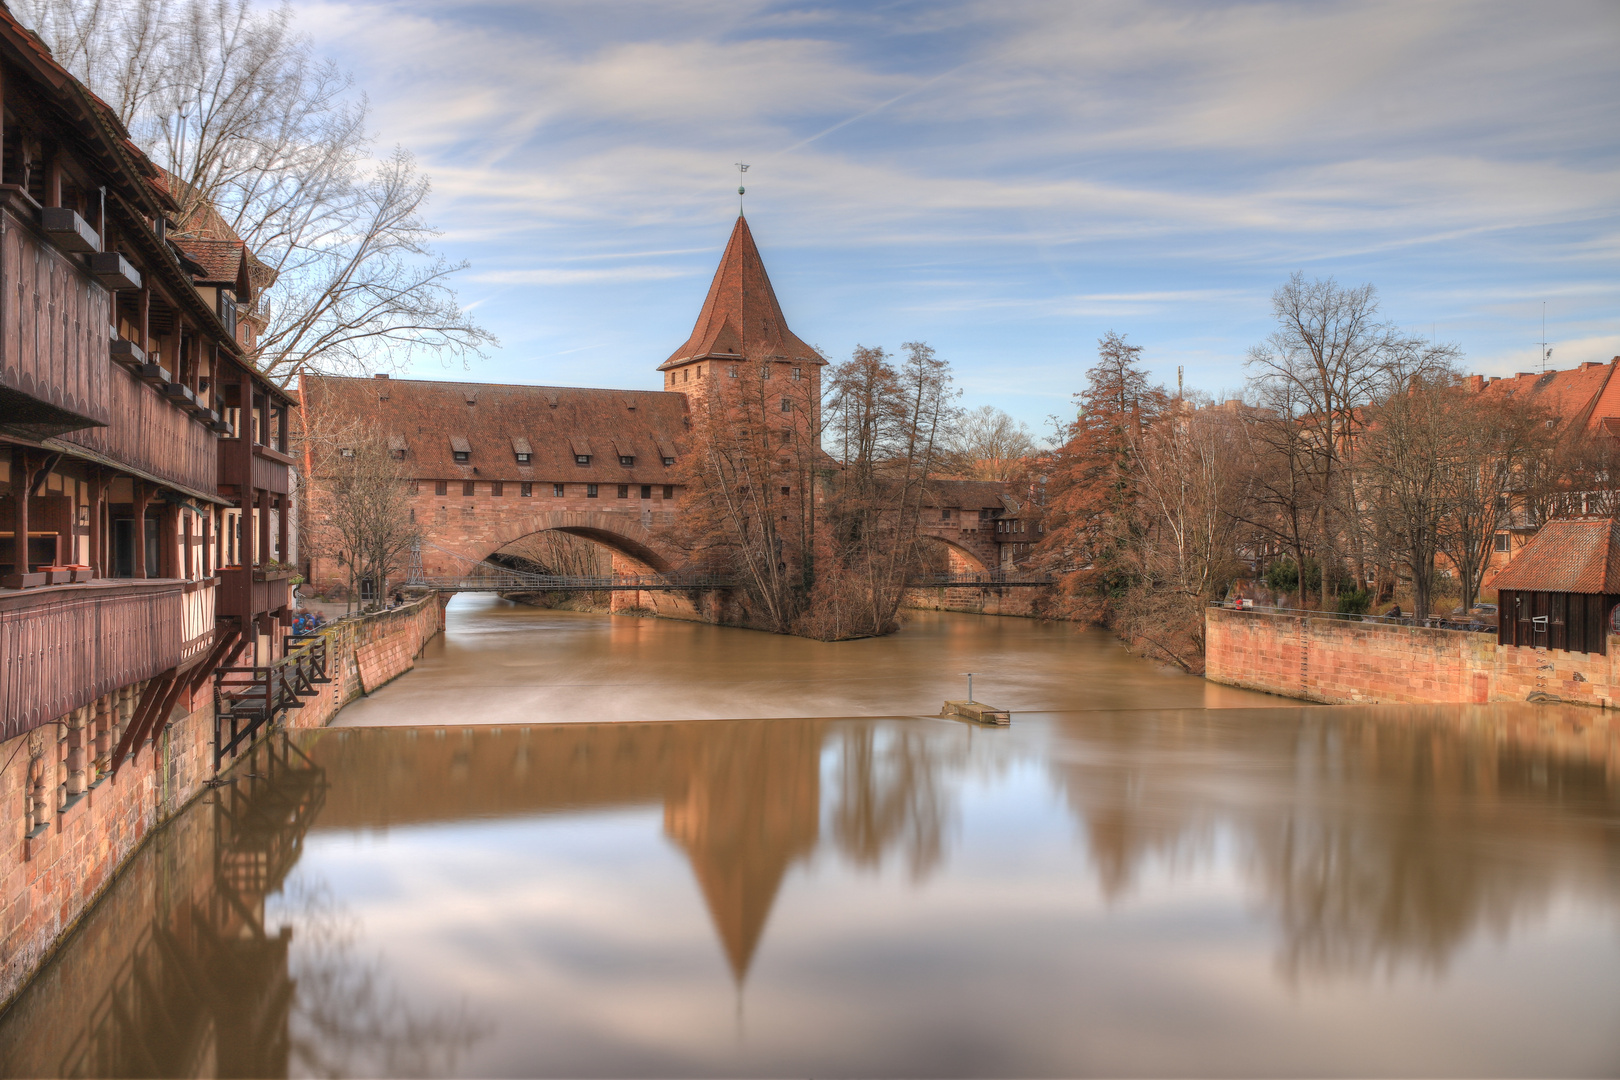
[[742, 167]]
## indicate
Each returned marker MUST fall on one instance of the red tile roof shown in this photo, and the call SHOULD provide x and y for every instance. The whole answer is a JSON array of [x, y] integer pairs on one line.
[[968, 494], [1580, 555], [740, 316], [221, 260], [1581, 397], [495, 422]]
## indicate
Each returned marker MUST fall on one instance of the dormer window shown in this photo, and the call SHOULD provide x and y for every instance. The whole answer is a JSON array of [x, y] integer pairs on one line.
[[346, 451], [398, 455], [461, 449], [523, 459], [462, 456], [582, 459], [669, 461], [626, 460]]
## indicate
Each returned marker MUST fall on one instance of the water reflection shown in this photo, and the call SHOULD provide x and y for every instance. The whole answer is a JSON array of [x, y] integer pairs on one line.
[[1158, 891]]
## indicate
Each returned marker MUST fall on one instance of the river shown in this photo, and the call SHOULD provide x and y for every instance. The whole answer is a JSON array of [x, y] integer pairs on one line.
[[787, 867]]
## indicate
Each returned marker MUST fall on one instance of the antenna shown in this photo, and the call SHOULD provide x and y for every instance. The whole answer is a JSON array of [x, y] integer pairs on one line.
[[1546, 353], [742, 167], [1179, 370]]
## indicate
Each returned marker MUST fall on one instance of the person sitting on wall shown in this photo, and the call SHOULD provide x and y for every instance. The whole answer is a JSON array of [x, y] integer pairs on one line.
[[1393, 613]]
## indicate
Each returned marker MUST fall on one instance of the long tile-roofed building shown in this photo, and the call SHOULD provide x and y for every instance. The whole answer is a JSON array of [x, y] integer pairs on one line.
[[1579, 555], [483, 431], [1585, 398]]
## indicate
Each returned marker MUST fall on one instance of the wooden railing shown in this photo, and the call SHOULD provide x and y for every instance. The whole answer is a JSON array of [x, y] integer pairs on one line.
[[248, 698], [61, 648]]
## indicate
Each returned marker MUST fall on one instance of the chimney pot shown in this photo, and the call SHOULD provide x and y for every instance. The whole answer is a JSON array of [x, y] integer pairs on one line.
[[380, 375]]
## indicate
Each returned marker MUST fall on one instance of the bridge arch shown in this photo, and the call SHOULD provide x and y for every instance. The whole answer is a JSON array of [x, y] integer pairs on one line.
[[959, 552], [619, 532]]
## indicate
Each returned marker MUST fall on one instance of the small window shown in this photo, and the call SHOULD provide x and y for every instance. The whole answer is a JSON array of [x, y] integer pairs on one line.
[[526, 490], [646, 491], [523, 459], [346, 451], [399, 455], [590, 491], [626, 460], [700, 371], [413, 515], [787, 404], [798, 373], [787, 490], [440, 487], [624, 491], [582, 459], [497, 488], [466, 487], [945, 514], [764, 371], [669, 461], [556, 491], [1503, 542], [461, 455], [984, 515], [669, 491], [686, 375], [416, 488], [732, 371]]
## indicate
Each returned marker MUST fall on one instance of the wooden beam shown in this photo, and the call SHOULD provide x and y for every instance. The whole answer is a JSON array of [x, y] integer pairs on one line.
[[159, 715], [216, 658], [154, 691]]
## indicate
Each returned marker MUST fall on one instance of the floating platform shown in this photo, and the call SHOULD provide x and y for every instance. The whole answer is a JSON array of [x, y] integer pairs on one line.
[[978, 712]]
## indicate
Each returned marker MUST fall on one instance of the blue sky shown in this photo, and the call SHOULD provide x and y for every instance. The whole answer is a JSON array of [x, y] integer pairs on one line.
[[1006, 181]]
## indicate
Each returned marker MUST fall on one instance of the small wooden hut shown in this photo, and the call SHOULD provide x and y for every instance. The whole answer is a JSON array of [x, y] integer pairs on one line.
[[1561, 588]]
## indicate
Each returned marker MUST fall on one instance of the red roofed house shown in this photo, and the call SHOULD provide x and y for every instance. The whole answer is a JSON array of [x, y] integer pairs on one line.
[[1561, 588]]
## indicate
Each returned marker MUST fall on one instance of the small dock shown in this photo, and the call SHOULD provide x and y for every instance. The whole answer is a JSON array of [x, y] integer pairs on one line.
[[978, 712]]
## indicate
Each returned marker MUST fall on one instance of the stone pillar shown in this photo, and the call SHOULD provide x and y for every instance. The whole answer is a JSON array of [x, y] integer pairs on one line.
[[106, 714], [37, 798], [77, 760]]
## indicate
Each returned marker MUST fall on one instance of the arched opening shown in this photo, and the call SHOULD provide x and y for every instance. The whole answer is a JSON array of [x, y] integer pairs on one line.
[[941, 556]]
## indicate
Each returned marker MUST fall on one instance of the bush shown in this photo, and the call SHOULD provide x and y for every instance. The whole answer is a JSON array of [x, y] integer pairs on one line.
[[1354, 602]]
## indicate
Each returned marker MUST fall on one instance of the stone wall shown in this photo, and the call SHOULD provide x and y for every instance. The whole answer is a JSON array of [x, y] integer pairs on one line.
[[1024, 603], [48, 881], [1343, 662]]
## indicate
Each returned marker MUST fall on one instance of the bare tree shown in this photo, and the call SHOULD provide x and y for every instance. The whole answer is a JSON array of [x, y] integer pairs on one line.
[[987, 444], [1335, 358], [265, 143], [358, 506]]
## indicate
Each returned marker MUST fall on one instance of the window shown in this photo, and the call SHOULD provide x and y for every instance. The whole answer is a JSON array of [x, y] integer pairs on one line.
[[346, 451], [1504, 542], [669, 491], [523, 459], [700, 371], [984, 515], [787, 490], [497, 488], [787, 404], [413, 515], [466, 487], [416, 488], [590, 491], [461, 455], [399, 455], [669, 461], [624, 491], [732, 371], [582, 459], [556, 491], [764, 371], [626, 460], [686, 374], [945, 514], [439, 487], [526, 489], [646, 491], [798, 373]]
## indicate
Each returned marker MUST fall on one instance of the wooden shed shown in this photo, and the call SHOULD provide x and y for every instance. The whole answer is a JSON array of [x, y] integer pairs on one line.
[[1561, 588]]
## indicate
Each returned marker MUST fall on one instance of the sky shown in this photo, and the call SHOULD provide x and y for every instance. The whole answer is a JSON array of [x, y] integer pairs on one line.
[[1006, 181]]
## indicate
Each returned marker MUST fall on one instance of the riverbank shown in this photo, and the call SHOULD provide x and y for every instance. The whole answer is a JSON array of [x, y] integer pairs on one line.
[[56, 873]]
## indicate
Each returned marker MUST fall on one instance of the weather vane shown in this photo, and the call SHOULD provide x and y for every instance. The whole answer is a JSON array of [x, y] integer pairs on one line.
[[741, 191]]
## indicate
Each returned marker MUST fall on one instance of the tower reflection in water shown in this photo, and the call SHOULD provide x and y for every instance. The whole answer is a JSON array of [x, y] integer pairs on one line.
[[1369, 847]]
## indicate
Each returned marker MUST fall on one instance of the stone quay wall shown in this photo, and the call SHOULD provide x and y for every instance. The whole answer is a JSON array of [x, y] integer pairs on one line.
[[979, 600], [1339, 661], [50, 879]]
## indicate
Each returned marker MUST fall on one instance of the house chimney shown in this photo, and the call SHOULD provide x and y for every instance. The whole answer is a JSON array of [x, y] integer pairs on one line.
[[380, 375]]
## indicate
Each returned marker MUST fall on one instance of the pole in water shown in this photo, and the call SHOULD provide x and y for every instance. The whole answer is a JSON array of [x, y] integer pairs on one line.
[[969, 674]]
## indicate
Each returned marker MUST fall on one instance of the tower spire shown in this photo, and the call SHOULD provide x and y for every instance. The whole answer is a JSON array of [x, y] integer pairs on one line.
[[742, 167]]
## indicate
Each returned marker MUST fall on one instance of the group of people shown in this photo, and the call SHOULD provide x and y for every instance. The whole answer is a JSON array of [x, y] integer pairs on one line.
[[308, 622]]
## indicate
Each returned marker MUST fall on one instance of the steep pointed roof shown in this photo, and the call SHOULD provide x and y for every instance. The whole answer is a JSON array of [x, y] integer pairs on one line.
[[1576, 555], [740, 316]]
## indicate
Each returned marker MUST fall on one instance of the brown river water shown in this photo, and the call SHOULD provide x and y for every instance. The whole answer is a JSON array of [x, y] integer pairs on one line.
[[789, 868]]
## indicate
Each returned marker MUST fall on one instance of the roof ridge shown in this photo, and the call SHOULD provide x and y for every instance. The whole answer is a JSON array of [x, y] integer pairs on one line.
[[499, 385]]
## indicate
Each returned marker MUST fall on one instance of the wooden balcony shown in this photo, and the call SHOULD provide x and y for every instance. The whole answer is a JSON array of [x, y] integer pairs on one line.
[[249, 591], [63, 646]]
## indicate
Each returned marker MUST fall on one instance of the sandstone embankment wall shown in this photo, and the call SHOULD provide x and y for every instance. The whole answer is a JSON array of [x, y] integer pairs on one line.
[[1345, 662], [976, 600], [48, 881]]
